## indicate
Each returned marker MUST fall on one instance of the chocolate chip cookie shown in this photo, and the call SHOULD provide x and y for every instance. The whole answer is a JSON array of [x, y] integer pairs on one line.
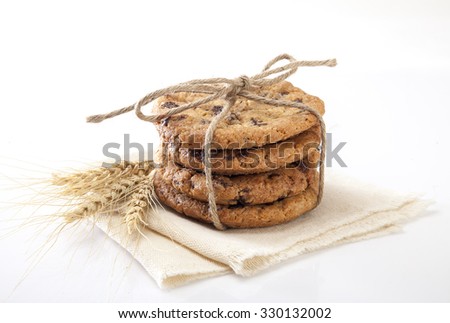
[[253, 160], [237, 216], [249, 123], [242, 189]]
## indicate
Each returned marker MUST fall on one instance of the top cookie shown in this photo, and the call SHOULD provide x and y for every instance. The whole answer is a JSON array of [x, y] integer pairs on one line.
[[249, 123]]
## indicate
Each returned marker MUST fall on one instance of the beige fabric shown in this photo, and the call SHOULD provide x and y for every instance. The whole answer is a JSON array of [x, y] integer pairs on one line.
[[178, 250]]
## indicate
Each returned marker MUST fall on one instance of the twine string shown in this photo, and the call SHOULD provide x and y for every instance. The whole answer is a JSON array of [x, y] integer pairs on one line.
[[229, 90]]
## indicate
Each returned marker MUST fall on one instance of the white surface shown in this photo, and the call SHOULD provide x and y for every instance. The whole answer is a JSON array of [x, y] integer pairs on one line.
[[388, 98]]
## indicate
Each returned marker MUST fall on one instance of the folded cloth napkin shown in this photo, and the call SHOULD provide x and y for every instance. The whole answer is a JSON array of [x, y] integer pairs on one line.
[[175, 250]]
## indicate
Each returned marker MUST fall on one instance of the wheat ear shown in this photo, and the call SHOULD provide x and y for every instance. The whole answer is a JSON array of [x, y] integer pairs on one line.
[[92, 180], [128, 187]]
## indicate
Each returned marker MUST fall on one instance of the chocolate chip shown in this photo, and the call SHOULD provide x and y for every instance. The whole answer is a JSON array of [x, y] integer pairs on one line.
[[178, 117], [197, 154], [242, 200], [222, 182], [272, 176], [257, 122], [217, 109], [284, 93], [232, 117], [204, 121], [169, 105], [298, 100]]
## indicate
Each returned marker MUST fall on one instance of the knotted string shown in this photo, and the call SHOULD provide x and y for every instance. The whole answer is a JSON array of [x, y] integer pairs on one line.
[[228, 90]]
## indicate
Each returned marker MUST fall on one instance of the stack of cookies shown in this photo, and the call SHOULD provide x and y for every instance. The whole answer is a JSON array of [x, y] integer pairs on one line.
[[264, 158]]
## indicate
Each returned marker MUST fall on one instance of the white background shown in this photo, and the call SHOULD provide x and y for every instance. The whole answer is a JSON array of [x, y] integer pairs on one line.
[[388, 98]]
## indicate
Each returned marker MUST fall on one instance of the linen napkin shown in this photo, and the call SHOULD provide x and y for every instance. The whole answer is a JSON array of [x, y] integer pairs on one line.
[[176, 250]]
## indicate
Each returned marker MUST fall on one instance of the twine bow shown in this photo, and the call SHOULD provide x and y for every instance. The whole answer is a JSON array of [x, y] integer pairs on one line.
[[228, 90]]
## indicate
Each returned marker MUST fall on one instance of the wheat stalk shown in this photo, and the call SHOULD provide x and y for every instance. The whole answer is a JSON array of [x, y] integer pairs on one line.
[[128, 186], [92, 180]]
